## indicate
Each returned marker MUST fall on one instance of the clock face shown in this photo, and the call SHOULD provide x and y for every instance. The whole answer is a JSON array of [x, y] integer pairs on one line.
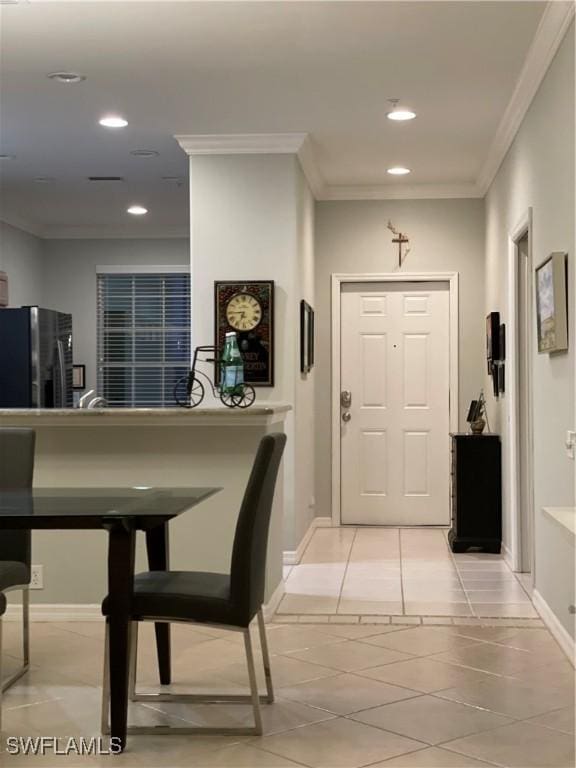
[[243, 312]]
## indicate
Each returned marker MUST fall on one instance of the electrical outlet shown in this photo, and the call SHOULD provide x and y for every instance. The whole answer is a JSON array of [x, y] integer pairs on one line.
[[37, 577]]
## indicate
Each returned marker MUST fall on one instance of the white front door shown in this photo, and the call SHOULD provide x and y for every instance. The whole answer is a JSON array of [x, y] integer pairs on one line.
[[394, 435]]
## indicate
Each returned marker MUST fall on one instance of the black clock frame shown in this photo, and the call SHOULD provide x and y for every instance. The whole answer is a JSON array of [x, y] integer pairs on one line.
[[243, 286]]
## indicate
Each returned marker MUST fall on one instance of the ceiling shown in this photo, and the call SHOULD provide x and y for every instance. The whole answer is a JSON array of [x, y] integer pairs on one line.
[[184, 68]]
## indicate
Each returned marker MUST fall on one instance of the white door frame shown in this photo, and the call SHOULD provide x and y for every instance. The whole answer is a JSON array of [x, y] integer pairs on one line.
[[523, 227], [386, 277]]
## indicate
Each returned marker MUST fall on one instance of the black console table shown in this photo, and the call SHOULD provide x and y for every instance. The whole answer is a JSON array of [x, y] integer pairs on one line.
[[476, 495]]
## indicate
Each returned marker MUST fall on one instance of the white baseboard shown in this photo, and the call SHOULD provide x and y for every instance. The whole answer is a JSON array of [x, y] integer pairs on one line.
[[559, 632], [507, 554], [56, 612], [274, 602], [293, 556]]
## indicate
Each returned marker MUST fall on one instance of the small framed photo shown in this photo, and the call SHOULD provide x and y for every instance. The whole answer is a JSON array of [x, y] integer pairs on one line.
[[306, 337], [78, 377], [551, 304], [502, 343], [492, 339], [501, 377]]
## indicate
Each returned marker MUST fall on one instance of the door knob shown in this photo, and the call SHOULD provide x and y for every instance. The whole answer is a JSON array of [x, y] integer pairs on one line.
[[345, 399], [346, 416]]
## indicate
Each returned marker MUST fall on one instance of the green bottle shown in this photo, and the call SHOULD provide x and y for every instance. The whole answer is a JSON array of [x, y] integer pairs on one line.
[[232, 365]]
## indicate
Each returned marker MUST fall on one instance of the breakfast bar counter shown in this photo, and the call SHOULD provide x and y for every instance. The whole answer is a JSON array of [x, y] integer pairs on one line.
[[141, 447]]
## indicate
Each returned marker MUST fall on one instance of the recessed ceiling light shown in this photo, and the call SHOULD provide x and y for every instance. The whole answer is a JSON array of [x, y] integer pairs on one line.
[[137, 210], [44, 179], [144, 152], [401, 114], [113, 121], [398, 171], [67, 77]]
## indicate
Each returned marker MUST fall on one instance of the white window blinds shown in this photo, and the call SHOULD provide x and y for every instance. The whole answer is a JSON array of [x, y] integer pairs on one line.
[[143, 337]]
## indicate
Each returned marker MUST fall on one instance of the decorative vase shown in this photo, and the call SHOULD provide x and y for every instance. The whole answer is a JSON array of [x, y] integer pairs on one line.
[[477, 426]]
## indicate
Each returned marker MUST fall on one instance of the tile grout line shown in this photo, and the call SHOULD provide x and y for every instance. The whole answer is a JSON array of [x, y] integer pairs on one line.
[[464, 590], [346, 571]]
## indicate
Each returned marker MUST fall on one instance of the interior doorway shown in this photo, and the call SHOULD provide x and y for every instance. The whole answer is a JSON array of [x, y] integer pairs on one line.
[[520, 405], [394, 398], [524, 411]]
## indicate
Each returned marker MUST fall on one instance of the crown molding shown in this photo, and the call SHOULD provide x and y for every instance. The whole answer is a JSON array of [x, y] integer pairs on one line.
[[401, 192], [310, 168], [553, 26], [298, 144], [242, 143], [19, 223]]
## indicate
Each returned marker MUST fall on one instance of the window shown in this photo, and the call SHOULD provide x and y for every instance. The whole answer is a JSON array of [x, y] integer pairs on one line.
[[143, 336]]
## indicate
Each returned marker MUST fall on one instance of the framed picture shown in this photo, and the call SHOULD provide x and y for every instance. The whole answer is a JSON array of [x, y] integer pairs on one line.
[[78, 377], [551, 304], [492, 339], [474, 411], [502, 343], [501, 377], [247, 308], [306, 337]]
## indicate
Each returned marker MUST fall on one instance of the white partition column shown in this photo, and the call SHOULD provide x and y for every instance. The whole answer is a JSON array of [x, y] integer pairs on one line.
[[251, 218]]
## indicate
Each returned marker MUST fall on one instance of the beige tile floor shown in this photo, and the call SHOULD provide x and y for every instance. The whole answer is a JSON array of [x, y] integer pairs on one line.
[[399, 572], [348, 695]]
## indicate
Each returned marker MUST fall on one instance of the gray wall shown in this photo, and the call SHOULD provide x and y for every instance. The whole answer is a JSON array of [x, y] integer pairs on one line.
[[352, 237], [70, 280], [538, 172], [21, 259]]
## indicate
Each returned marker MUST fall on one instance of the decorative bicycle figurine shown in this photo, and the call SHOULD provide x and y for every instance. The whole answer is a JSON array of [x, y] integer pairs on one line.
[[189, 390]]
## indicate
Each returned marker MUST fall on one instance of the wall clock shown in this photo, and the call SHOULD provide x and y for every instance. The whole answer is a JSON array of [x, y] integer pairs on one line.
[[247, 307]]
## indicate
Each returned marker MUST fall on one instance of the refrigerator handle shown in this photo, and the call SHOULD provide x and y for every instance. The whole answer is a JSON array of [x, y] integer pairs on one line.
[[62, 374]]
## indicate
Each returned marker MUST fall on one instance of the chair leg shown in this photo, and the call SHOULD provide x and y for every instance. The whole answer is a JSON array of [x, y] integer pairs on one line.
[[253, 683], [105, 712], [9, 682], [254, 698], [265, 656], [1, 689], [133, 661], [26, 626]]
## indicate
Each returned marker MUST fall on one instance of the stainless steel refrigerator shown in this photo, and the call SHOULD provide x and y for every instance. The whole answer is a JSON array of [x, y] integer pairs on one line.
[[35, 358]]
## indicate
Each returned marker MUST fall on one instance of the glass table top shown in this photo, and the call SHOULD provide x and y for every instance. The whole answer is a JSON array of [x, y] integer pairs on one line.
[[138, 501]]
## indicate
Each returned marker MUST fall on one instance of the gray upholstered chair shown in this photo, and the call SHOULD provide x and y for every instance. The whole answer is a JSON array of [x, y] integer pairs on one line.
[[227, 600], [16, 471]]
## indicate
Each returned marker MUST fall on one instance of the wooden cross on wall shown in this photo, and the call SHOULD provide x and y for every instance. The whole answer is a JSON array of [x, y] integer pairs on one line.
[[401, 238]]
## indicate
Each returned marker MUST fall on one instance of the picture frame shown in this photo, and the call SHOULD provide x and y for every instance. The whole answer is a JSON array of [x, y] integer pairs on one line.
[[502, 343], [474, 411], [492, 339], [501, 367], [306, 337], [79, 376], [551, 304], [256, 343]]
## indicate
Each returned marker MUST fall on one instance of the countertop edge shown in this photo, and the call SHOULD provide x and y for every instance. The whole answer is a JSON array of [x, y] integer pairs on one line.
[[168, 417]]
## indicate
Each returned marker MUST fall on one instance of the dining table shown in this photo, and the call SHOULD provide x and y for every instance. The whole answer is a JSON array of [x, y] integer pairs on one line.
[[121, 512]]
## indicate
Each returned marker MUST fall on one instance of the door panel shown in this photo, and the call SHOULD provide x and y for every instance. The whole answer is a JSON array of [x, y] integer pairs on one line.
[[374, 370], [374, 461], [395, 363]]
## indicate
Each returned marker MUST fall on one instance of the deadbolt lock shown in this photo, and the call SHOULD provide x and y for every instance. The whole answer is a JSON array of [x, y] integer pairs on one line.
[[346, 416], [345, 398]]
